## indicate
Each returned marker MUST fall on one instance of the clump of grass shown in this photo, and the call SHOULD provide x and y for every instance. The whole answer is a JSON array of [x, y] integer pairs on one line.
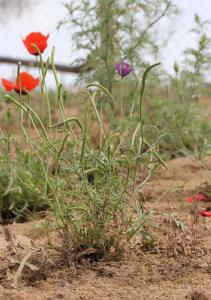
[[22, 187], [93, 189]]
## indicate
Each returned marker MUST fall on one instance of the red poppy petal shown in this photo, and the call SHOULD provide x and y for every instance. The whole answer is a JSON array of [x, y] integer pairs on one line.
[[29, 47], [189, 199], [26, 82], [8, 85], [204, 213], [200, 197]]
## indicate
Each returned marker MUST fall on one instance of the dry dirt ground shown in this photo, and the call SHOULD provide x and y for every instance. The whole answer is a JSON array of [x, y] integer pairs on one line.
[[177, 267]]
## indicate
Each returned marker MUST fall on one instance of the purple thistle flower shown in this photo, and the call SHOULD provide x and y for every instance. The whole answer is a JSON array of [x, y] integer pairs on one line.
[[123, 69]]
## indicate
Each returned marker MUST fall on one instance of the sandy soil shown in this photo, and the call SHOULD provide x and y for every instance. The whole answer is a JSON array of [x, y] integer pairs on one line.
[[177, 267]]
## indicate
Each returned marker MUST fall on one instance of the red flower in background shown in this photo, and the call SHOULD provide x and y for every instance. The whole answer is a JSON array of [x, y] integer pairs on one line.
[[24, 84], [38, 39], [200, 197], [205, 213]]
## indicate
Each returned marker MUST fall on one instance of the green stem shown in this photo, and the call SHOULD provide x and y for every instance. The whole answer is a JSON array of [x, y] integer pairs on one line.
[[121, 99], [141, 118], [142, 96]]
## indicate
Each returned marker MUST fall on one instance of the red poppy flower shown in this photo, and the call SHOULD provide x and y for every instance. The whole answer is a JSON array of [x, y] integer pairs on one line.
[[24, 84], [200, 197], [38, 39], [205, 213]]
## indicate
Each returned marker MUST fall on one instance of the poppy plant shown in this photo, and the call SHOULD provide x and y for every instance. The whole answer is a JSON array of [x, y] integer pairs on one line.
[[200, 197], [38, 39], [123, 69], [24, 83]]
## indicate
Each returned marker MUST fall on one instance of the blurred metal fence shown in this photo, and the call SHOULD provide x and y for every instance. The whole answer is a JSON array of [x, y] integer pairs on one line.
[[43, 16]]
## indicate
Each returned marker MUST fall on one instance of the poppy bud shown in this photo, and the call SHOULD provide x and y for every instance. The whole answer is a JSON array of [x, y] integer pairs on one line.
[[176, 67], [123, 69]]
